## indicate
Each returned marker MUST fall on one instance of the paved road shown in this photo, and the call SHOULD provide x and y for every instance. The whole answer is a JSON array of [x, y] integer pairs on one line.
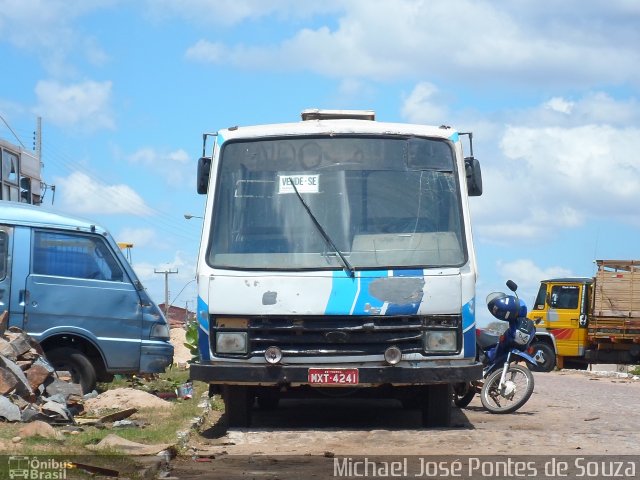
[[570, 413]]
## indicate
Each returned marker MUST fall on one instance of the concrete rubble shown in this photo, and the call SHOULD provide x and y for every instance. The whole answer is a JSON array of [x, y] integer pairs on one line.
[[29, 387]]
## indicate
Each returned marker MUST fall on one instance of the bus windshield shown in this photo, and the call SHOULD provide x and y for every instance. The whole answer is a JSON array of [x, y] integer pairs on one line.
[[382, 202]]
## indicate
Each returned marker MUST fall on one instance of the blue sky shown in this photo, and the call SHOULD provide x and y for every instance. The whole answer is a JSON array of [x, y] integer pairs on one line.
[[126, 88]]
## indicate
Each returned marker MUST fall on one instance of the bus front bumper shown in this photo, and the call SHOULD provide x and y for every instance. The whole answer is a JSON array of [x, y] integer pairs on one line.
[[297, 375]]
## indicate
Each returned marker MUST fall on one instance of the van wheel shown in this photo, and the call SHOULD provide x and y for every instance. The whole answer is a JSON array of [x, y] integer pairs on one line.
[[77, 364]]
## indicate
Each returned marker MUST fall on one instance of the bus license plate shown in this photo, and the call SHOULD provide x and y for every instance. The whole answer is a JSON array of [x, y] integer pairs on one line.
[[333, 376]]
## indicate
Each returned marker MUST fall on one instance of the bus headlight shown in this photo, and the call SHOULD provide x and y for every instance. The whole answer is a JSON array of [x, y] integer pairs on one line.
[[440, 341], [231, 342]]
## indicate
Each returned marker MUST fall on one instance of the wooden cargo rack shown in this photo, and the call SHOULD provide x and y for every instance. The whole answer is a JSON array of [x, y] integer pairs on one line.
[[616, 301]]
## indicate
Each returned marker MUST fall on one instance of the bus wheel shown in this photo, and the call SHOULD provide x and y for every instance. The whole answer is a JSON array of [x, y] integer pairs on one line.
[[238, 401], [437, 405], [268, 398], [76, 363]]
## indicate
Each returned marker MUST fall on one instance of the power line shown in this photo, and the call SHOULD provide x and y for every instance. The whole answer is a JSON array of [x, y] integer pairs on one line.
[[11, 130]]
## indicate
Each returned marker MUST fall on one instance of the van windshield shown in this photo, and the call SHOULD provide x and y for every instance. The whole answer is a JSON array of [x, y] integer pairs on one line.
[[383, 202]]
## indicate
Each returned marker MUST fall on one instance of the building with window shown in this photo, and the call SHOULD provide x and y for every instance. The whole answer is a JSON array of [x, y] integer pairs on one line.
[[20, 174]]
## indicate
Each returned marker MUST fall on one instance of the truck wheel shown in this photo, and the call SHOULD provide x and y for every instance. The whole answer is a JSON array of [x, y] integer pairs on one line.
[[548, 354], [238, 401], [76, 363], [436, 406]]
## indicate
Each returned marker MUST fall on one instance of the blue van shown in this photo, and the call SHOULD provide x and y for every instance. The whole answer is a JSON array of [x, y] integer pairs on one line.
[[65, 282]]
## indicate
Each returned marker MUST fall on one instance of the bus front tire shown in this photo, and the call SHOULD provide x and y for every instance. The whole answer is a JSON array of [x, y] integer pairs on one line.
[[238, 401]]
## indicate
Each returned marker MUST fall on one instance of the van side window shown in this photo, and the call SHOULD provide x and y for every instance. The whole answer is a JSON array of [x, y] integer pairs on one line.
[[4, 254], [75, 256]]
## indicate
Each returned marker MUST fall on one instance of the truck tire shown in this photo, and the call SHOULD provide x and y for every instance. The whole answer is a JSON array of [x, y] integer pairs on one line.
[[549, 357], [436, 406], [238, 401], [76, 363]]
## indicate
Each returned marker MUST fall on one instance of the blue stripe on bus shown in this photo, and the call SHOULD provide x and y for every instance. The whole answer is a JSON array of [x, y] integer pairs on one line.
[[343, 293], [367, 304], [469, 328], [203, 330]]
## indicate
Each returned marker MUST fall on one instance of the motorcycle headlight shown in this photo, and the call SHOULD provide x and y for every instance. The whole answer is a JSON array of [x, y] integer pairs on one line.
[[231, 342], [440, 341]]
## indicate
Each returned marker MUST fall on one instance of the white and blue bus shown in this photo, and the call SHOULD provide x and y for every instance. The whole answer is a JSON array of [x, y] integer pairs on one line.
[[337, 257]]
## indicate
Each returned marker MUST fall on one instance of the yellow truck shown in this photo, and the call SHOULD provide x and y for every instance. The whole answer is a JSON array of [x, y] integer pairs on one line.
[[590, 320]]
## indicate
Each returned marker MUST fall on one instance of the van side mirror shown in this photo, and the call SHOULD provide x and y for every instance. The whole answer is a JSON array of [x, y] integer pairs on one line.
[[474, 176], [204, 170]]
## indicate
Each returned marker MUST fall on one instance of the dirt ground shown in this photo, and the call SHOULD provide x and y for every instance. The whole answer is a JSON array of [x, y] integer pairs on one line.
[[570, 413]]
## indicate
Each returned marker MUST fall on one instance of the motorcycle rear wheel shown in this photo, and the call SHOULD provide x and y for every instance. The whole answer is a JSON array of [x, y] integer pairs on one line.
[[493, 401]]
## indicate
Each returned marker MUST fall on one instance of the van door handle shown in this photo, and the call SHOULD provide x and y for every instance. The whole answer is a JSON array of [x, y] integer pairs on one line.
[[23, 297]]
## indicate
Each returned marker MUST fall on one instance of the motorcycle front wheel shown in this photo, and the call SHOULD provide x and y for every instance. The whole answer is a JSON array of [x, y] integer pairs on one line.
[[515, 393]]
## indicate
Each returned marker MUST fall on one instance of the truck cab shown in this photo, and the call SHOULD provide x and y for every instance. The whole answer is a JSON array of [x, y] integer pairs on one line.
[[561, 313]]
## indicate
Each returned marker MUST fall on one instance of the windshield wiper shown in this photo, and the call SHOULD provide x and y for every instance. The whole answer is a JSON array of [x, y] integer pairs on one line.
[[347, 267]]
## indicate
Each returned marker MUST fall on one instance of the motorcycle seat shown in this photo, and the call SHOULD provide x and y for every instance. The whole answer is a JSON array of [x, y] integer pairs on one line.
[[486, 339]]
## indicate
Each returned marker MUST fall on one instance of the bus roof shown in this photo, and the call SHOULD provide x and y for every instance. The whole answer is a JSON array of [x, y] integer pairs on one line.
[[337, 127]]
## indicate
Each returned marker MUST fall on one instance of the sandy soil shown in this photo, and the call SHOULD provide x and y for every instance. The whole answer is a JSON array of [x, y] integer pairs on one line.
[[122, 398], [181, 354]]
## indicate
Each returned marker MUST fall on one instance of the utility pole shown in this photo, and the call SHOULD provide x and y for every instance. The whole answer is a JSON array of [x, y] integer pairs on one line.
[[166, 274], [38, 140]]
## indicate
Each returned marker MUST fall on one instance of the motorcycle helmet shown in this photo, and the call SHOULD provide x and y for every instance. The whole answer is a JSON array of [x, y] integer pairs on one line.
[[503, 306]]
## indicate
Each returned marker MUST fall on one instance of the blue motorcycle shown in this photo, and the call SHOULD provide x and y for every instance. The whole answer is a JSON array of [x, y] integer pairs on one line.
[[506, 385]]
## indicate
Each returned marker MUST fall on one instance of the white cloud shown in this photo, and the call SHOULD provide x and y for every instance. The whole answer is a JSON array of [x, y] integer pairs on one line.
[[547, 170], [175, 166], [139, 237], [527, 274], [80, 194], [206, 52], [425, 105], [45, 28], [478, 41], [84, 105], [591, 165], [558, 104], [231, 12]]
